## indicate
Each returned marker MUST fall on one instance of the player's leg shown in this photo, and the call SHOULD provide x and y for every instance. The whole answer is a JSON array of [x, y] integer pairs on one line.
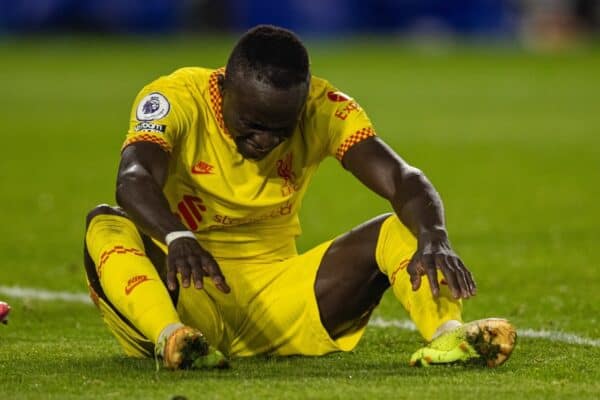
[[131, 294], [355, 272], [126, 276], [359, 266], [349, 285]]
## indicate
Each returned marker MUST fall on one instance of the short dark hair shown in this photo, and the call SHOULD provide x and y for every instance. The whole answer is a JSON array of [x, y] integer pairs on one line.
[[271, 54]]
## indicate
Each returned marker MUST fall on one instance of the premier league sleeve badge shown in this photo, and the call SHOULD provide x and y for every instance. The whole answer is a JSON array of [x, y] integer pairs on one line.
[[152, 107]]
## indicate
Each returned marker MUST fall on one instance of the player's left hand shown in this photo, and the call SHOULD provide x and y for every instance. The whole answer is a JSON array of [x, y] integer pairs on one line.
[[434, 252]]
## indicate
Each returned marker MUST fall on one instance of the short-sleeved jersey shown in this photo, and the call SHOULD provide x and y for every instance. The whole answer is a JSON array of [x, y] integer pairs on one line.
[[239, 208]]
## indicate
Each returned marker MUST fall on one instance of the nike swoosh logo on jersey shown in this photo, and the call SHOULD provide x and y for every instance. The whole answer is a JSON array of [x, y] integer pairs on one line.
[[203, 168]]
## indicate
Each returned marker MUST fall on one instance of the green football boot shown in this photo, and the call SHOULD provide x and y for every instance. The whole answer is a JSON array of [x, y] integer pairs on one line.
[[486, 341]]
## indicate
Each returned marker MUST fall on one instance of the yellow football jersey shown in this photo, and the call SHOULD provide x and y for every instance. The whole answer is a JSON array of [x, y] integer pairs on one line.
[[239, 208]]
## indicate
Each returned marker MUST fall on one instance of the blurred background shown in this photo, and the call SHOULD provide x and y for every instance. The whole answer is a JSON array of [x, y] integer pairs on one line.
[[538, 22], [497, 101]]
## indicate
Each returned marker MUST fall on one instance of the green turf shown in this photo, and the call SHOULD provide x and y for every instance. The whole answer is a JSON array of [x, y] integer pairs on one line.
[[510, 139]]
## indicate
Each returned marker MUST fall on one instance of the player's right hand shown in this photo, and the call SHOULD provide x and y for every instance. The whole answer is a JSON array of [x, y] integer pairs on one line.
[[187, 258]]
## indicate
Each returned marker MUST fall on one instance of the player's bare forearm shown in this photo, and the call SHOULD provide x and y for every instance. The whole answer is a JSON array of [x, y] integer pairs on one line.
[[419, 207], [139, 190], [139, 195], [142, 175], [408, 190]]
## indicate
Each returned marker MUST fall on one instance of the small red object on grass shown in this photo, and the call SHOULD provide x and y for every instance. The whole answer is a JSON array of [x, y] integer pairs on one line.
[[4, 311]]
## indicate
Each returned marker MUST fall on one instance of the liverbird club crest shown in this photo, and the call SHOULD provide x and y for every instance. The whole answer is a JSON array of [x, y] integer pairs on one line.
[[285, 171]]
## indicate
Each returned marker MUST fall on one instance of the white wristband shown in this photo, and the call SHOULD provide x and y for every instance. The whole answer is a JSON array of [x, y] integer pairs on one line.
[[177, 235]]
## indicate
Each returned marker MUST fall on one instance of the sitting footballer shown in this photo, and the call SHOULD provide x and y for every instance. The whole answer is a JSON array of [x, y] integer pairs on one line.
[[198, 263]]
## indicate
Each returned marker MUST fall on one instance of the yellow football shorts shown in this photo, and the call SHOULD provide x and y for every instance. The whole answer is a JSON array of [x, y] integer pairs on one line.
[[271, 309]]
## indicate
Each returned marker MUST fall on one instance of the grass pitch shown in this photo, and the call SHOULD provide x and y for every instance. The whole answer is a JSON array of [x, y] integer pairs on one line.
[[510, 139]]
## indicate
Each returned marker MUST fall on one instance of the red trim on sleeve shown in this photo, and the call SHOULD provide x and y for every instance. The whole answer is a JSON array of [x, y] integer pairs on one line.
[[353, 139], [147, 138]]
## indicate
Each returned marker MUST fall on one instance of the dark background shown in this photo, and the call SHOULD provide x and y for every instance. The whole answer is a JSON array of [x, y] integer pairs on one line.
[[553, 22]]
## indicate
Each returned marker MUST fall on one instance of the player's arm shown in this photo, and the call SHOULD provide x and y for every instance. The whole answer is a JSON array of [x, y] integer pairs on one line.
[[419, 207], [142, 174]]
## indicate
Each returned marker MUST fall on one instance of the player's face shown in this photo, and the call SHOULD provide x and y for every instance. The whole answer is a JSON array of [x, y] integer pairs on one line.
[[259, 117]]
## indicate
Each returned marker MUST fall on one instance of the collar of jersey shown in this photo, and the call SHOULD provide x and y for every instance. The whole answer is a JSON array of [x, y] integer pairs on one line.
[[216, 101]]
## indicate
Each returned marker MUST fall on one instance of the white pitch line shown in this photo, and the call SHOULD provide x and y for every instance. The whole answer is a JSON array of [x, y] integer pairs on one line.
[[553, 336], [403, 324], [44, 295], [377, 322]]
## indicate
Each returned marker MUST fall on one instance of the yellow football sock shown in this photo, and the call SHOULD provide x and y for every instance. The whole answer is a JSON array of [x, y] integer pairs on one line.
[[127, 276], [395, 248]]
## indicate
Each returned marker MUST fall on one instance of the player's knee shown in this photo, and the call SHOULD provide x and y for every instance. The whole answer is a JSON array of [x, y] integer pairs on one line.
[[378, 221], [104, 209], [383, 217]]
